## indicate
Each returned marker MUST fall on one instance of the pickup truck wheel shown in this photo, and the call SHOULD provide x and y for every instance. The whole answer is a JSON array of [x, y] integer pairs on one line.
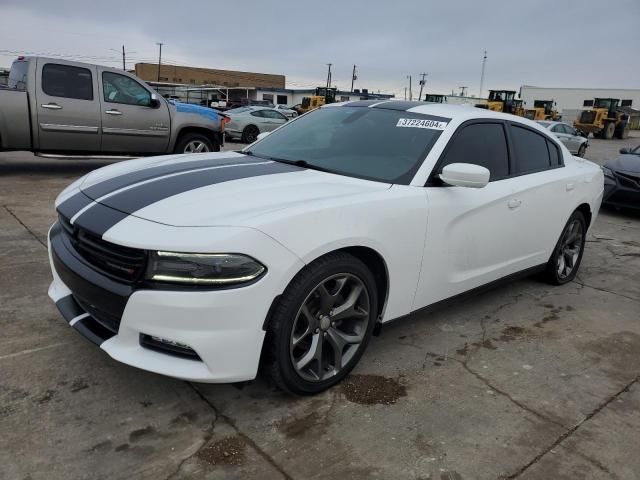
[[195, 143], [250, 134]]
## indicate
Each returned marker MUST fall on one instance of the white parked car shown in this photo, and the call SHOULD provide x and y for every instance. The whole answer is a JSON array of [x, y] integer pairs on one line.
[[286, 111], [575, 142], [297, 247], [246, 123]]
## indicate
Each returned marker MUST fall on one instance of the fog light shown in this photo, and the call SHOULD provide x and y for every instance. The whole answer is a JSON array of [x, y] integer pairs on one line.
[[170, 347]]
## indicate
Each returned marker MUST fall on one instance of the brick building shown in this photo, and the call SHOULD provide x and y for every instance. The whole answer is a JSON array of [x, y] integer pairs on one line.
[[207, 76]]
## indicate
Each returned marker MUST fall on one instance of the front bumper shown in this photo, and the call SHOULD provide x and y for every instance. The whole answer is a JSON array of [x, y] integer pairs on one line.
[[223, 327], [621, 191]]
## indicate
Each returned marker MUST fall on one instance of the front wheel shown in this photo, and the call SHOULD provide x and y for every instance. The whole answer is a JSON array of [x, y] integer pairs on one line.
[[565, 260], [321, 325], [581, 150]]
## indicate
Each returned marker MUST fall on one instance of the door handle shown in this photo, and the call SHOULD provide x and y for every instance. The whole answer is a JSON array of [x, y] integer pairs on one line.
[[570, 186], [113, 111], [513, 204], [51, 106]]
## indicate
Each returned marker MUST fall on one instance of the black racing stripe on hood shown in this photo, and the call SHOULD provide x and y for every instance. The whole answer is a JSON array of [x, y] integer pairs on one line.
[[103, 188], [102, 216], [73, 205]]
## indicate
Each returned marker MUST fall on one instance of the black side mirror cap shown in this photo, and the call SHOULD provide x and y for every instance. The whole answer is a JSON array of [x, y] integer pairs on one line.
[[154, 102]]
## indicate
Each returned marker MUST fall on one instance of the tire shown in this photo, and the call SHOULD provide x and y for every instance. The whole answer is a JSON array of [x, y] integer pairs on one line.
[[304, 319], [565, 260], [195, 143], [608, 130], [250, 134], [581, 150]]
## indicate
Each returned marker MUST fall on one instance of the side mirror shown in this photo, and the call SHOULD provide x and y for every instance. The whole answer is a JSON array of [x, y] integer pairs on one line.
[[262, 135], [624, 151], [155, 101], [465, 175]]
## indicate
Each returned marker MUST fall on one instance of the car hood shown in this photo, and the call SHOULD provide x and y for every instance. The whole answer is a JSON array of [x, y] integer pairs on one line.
[[625, 163], [215, 189]]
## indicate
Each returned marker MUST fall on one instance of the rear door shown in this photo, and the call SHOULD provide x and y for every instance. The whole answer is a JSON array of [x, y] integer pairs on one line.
[[470, 230], [68, 110], [543, 191], [130, 122]]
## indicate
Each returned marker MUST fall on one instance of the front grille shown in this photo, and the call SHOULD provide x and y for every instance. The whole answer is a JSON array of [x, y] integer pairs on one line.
[[629, 181], [587, 117], [107, 320], [118, 262]]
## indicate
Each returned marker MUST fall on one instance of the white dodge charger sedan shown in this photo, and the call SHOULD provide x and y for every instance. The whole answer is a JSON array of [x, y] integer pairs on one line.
[[289, 253]]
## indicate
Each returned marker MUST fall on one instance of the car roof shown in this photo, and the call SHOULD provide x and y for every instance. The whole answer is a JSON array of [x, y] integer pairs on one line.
[[458, 112]]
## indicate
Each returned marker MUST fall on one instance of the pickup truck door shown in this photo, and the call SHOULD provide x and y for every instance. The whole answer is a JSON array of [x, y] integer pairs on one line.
[[67, 107], [130, 121]]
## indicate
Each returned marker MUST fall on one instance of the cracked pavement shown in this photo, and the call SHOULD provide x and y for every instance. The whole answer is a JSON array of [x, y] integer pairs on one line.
[[526, 381]]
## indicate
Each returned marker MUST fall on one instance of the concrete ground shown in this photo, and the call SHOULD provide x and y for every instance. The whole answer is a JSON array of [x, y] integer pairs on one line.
[[527, 381]]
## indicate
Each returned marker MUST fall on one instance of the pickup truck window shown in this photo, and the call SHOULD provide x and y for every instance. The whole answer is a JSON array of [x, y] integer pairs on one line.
[[67, 81], [122, 89]]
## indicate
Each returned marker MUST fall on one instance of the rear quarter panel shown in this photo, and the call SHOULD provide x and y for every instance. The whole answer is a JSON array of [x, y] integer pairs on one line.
[[15, 122]]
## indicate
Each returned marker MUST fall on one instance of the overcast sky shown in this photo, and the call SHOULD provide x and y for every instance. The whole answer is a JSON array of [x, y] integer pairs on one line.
[[556, 43]]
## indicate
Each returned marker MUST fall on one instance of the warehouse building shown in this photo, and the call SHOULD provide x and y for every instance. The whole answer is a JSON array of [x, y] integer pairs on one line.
[[571, 101], [182, 75]]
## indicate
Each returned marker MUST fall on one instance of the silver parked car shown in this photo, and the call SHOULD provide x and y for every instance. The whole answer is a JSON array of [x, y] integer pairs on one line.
[[576, 143], [246, 123]]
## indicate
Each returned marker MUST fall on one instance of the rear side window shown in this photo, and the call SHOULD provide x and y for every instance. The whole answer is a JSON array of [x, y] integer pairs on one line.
[[67, 81], [554, 154], [481, 144], [531, 150], [18, 75]]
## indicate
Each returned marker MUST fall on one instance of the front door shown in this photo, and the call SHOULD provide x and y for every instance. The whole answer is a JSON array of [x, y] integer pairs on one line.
[[130, 123], [67, 105], [470, 231], [273, 119]]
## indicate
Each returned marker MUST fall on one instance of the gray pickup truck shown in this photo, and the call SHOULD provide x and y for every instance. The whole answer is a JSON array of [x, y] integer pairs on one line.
[[53, 106]]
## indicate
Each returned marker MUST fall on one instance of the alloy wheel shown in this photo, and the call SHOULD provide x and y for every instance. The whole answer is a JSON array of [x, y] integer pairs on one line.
[[196, 146], [569, 250], [329, 327]]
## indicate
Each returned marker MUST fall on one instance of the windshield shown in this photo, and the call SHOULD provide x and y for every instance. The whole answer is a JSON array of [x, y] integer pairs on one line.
[[372, 143]]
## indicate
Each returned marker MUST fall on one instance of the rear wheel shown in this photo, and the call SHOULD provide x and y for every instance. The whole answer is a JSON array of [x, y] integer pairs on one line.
[[321, 325], [581, 150], [195, 143], [250, 134], [567, 255], [608, 130]]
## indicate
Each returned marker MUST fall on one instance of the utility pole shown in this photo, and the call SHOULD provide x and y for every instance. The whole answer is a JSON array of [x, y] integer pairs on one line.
[[329, 75], [410, 91], [159, 58], [353, 77], [423, 82], [405, 94], [463, 91], [484, 62], [124, 63]]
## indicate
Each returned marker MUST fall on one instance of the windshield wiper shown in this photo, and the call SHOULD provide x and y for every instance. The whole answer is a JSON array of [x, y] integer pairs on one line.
[[297, 163]]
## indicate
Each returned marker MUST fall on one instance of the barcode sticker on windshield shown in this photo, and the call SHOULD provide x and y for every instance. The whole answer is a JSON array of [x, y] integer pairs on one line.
[[421, 123]]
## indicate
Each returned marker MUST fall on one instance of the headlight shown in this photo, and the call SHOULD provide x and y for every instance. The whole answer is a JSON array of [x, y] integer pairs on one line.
[[608, 172], [214, 269]]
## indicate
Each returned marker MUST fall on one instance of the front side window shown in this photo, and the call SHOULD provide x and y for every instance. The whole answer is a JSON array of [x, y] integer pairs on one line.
[[481, 144], [372, 143], [531, 150], [118, 88], [273, 114], [67, 81]]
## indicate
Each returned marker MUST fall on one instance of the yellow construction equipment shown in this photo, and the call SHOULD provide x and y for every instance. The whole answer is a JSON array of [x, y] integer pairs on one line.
[[543, 110], [503, 101], [603, 120], [323, 96], [435, 98]]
